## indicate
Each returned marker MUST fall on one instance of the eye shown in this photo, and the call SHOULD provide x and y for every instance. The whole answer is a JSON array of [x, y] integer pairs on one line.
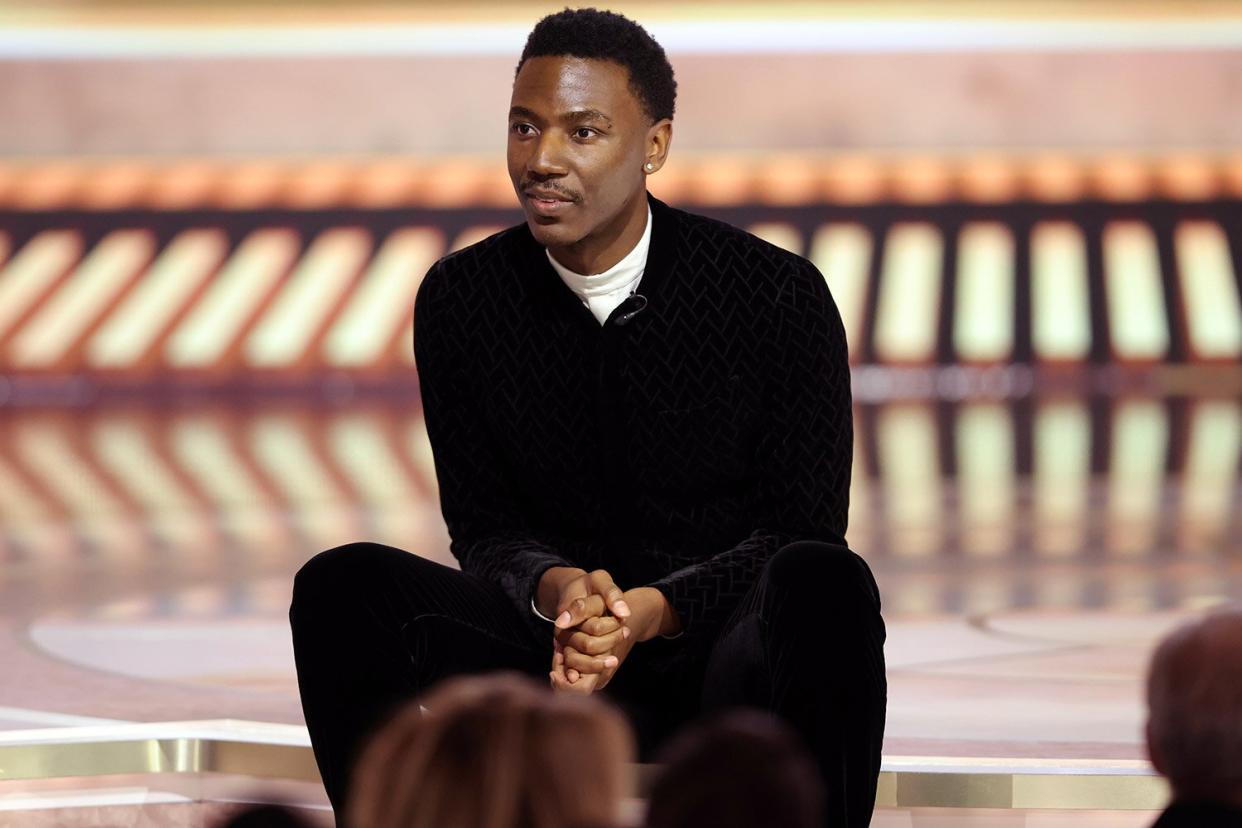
[[584, 133], [522, 129]]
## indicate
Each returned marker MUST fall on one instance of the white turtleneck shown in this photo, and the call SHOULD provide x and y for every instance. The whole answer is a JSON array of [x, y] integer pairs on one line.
[[602, 292]]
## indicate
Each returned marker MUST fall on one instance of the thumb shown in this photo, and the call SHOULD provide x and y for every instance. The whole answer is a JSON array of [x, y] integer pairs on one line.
[[603, 585]]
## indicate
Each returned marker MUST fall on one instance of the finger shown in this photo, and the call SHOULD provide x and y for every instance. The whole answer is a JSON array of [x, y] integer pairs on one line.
[[578, 610], [584, 663], [602, 583], [573, 675], [597, 644], [583, 687], [605, 677], [560, 684], [602, 625], [605, 627], [558, 656], [571, 591]]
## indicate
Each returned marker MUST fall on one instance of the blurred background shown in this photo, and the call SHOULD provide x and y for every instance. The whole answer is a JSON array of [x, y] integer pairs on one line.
[[214, 217]]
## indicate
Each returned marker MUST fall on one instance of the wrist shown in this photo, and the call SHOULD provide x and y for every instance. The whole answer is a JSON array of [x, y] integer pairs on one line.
[[659, 618], [548, 590]]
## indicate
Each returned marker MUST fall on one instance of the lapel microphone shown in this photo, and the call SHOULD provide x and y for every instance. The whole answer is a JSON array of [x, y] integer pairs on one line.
[[640, 303]]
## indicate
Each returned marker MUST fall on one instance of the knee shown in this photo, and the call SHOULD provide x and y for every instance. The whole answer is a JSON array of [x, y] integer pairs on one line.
[[826, 572], [332, 574]]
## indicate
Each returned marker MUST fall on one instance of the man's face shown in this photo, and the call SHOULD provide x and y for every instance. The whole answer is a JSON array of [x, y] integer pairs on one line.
[[577, 142]]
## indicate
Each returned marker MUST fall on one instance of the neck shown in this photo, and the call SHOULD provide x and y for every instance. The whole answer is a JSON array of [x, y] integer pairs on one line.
[[608, 245]]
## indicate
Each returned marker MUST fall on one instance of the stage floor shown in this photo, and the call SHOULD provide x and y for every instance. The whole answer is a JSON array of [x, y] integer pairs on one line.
[[149, 557]]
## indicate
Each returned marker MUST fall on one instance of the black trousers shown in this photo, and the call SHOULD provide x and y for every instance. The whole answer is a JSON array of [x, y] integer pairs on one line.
[[373, 626]]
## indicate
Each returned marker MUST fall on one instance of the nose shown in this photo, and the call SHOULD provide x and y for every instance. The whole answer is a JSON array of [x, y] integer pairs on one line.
[[547, 158]]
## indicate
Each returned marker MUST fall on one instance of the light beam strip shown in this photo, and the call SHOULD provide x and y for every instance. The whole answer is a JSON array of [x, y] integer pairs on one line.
[[418, 447], [301, 308], [1208, 482], [1136, 311], [1060, 303], [784, 236], [909, 306], [1062, 478], [861, 518], [1213, 307], [1136, 476], [103, 518], [282, 448], [28, 520], [127, 454], [206, 454], [33, 271], [80, 300], [1065, 588], [984, 293], [986, 479], [469, 236], [910, 472], [842, 252], [216, 321], [384, 300], [749, 34], [474, 235], [358, 446], [132, 329]]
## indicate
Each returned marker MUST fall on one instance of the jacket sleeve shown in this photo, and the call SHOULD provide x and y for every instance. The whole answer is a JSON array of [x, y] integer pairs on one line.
[[804, 454], [490, 535]]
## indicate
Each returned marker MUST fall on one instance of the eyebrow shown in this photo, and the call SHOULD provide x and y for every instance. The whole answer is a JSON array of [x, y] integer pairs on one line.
[[574, 116]]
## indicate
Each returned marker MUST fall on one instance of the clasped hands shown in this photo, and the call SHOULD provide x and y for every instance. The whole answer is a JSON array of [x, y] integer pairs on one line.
[[597, 624]]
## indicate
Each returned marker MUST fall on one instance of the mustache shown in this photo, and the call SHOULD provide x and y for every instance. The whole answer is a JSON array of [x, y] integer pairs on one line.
[[561, 191]]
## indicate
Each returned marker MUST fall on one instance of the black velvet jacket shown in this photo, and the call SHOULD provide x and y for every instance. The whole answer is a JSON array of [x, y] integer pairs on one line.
[[677, 447]]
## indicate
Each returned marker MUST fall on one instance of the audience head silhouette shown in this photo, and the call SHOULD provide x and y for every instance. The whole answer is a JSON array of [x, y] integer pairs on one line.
[[494, 751], [1194, 699], [738, 769], [265, 816]]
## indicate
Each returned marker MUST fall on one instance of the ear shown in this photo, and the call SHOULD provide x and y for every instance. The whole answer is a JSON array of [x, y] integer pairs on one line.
[[659, 137]]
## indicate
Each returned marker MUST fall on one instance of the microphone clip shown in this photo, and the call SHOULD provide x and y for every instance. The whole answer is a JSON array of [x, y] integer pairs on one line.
[[640, 301]]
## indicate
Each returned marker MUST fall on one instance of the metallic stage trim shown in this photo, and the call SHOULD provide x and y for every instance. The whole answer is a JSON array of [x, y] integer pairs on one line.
[[1022, 791], [267, 751], [260, 750], [1020, 784]]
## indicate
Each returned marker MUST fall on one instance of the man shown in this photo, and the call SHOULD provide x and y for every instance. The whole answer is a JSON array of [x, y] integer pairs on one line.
[[642, 429], [1194, 725]]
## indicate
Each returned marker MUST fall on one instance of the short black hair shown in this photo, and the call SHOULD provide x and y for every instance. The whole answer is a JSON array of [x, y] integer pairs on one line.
[[606, 35]]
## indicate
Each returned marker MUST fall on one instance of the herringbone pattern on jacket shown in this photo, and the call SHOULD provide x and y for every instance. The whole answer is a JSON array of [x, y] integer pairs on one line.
[[679, 450]]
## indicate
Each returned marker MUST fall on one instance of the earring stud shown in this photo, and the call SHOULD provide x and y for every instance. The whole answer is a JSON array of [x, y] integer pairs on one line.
[[649, 166]]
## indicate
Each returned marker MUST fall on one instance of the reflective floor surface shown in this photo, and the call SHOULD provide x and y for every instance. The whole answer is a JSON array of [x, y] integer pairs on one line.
[[1029, 554]]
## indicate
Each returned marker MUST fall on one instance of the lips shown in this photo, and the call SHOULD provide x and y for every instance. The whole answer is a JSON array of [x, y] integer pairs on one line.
[[547, 202]]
